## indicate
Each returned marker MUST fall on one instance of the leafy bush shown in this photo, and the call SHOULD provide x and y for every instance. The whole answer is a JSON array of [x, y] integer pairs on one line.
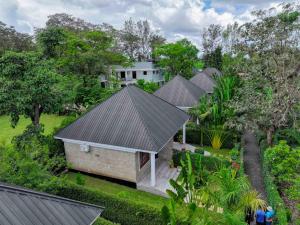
[[199, 151], [102, 221], [80, 180], [117, 210], [210, 163]]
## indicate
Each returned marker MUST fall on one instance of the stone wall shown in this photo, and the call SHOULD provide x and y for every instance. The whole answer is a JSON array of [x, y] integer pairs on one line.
[[104, 162]]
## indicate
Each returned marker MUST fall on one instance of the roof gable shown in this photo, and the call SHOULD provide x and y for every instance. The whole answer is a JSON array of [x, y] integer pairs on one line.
[[19, 206], [131, 118], [204, 81], [180, 92]]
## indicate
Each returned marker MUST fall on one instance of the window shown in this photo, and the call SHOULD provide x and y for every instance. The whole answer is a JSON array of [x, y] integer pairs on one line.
[[133, 74], [123, 75], [144, 158], [145, 72]]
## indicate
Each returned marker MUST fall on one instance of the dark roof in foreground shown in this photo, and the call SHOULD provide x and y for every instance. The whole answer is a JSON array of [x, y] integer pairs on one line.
[[130, 118], [212, 71], [180, 92], [204, 81], [19, 206]]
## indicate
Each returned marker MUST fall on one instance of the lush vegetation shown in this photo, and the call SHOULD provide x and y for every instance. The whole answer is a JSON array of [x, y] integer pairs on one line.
[[7, 132], [216, 195], [118, 190]]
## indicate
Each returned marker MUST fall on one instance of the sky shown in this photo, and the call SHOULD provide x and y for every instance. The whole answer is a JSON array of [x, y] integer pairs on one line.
[[175, 19]]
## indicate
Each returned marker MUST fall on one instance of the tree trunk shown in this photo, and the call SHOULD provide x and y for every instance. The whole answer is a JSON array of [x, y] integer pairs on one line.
[[270, 132], [37, 113]]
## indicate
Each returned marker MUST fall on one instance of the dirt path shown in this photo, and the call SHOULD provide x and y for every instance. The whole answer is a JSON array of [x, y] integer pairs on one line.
[[252, 163]]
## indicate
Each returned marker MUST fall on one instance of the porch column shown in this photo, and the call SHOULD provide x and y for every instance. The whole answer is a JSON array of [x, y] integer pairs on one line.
[[183, 133], [153, 169], [197, 121]]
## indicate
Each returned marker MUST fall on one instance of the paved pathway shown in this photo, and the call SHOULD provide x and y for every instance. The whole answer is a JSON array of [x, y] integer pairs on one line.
[[252, 163]]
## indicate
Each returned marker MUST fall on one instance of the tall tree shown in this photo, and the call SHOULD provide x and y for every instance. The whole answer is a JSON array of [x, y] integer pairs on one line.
[[212, 46], [28, 86], [138, 40], [271, 75], [12, 40], [179, 58]]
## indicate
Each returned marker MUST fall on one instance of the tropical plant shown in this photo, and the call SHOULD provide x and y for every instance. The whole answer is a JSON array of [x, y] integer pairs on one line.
[[217, 136]]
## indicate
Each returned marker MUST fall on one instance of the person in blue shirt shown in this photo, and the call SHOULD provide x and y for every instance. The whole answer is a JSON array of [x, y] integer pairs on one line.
[[269, 215], [260, 217]]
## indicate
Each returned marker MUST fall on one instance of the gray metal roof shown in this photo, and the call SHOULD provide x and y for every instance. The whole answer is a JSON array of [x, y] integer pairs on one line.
[[180, 92], [212, 71], [130, 118], [204, 81], [19, 206], [138, 66]]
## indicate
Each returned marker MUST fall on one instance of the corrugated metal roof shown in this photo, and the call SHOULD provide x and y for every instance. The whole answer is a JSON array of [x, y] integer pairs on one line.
[[138, 66], [212, 71], [204, 81], [130, 118], [180, 92], [19, 206]]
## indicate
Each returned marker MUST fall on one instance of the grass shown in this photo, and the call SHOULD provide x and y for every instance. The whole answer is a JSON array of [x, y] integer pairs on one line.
[[7, 132], [121, 191]]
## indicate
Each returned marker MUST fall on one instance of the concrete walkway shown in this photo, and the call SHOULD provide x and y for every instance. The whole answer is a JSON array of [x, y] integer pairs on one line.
[[252, 163]]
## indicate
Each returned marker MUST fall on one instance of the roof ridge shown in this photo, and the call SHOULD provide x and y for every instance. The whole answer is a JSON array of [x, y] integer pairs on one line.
[[187, 82], [141, 117]]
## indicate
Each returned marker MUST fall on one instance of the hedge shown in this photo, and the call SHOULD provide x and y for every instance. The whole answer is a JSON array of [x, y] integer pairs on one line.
[[273, 195], [117, 210], [210, 163], [193, 136], [102, 221]]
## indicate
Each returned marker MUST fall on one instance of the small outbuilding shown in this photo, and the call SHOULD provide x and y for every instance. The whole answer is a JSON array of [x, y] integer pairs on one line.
[[126, 137], [180, 92], [204, 81], [20, 206]]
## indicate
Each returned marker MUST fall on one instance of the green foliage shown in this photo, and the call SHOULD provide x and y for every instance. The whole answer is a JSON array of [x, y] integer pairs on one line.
[[178, 58], [102, 221], [199, 151], [285, 162], [217, 137], [80, 179], [28, 86], [273, 195], [214, 59], [117, 210], [147, 86]]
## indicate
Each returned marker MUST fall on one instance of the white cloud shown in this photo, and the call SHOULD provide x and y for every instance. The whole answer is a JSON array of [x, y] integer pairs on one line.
[[175, 18]]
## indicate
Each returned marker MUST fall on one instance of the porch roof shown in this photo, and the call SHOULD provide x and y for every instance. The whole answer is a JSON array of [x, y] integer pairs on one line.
[[131, 118]]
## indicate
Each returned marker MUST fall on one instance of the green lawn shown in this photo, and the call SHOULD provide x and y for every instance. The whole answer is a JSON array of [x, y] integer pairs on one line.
[[7, 132], [121, 191]]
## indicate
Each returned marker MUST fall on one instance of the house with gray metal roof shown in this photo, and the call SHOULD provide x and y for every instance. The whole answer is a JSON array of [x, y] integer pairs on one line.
[[124, 137], [147, 71], [19, 206], [180, 92], [204, 81], [212, 71]]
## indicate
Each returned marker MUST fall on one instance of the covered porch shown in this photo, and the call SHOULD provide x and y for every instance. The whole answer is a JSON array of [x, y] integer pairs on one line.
[[159, 183]]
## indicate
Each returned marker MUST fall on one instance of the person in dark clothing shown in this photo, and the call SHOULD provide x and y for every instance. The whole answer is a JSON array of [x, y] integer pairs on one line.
[[249, 216], [260, 217]]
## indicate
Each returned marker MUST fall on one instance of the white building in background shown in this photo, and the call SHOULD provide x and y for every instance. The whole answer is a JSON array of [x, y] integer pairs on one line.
[[138, 71]]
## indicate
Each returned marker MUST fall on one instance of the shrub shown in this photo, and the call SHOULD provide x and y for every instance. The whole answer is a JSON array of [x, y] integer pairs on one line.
[[117, 210], [199, 151], [210, 163], [273, 195], [80, 180], [102, 221]]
